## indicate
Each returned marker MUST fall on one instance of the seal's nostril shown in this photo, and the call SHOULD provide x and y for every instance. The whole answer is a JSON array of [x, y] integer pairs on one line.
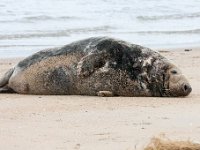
[[185, 87]]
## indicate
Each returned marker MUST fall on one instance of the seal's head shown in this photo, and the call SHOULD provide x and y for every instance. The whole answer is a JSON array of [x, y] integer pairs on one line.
[[177, 84]]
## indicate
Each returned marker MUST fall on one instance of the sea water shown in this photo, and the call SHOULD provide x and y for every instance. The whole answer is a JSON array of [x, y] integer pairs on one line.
[[27, 26]]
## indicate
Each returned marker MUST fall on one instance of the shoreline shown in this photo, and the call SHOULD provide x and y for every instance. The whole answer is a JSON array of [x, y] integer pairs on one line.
[[176, 48], [85, 122]]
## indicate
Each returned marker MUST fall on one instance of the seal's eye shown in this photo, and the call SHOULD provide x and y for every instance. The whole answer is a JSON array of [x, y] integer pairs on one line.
[[174, 72]]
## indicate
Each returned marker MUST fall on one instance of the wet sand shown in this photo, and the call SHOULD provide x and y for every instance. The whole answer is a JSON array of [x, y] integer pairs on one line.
[[37, 122]]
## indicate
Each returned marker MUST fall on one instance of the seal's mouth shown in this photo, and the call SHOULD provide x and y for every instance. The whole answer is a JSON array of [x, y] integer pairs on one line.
[[177, 90], [185, 90]]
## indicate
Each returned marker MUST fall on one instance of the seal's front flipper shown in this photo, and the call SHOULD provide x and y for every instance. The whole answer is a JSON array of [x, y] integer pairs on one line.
[[4, 80], [105, 93], [6, 89], [90, 63]]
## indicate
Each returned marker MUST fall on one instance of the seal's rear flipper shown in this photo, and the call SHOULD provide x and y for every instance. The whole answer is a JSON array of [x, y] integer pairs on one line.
[[4, 80], [6, 89]]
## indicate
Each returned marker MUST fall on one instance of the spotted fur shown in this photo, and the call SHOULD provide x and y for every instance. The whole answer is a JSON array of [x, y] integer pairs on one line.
[[92, 66]]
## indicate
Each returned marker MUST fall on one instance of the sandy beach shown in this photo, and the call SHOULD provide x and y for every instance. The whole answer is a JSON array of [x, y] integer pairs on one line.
[[37, 122]]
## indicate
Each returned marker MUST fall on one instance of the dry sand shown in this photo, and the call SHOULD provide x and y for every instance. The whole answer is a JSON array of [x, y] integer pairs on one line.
[[99, 123]]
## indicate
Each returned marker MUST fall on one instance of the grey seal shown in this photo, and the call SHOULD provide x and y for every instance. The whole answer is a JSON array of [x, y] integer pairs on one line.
[[101, 66]]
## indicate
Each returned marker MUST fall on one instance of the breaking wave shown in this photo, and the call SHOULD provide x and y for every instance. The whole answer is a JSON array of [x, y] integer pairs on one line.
[[169, 17], [41, 18], [194, 31], [44, 17], [57, 33]]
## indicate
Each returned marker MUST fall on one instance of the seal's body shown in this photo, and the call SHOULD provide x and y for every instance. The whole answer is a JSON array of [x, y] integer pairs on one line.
[[96, 66]]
